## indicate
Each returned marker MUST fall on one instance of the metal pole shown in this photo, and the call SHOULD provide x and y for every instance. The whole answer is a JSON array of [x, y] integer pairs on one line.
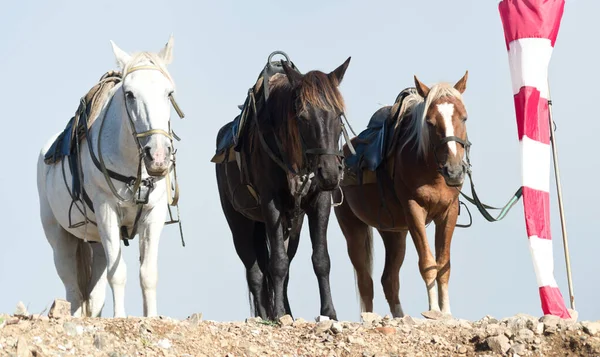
[[560, 202]]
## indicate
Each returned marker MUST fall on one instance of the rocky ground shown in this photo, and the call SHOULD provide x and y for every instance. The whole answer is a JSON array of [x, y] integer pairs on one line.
[[57, 334]]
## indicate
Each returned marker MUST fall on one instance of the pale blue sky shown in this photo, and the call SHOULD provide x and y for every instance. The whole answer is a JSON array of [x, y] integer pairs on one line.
[[53, 52]]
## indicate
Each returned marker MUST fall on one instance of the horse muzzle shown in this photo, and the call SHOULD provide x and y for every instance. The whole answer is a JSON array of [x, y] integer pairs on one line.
[[454, 175], [157, 162]]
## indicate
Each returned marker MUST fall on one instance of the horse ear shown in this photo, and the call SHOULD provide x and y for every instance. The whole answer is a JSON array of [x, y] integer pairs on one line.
[[422, 89], [122, 57], [166, 54], [337, 74], [461, 85], [293, 76]]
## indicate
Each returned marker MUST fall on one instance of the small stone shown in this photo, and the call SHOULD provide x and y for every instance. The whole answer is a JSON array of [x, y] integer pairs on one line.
[[355, 340], [21, 310], [465, 324], [286, 320], [519, 349], [322, 318], [60, 309], [550, 320], [195, 319], [493, 330], [370, 318], [550, 330], [386, 330], [537, 340], [323, 326], [499, 344], [591, 328], [72, 330], [462, 350], [408, 320], [100, 341], [337, 327], [525, 335], [254, 320], [22, 347], [539, 328], [164, 343], [574, 315], [299, 322]]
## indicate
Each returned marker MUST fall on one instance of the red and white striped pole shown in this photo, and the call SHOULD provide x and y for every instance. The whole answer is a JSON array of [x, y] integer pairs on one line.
[[530, 31]]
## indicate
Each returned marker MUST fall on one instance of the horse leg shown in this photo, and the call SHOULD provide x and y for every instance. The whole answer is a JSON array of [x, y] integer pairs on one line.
[[292, 247], [395, 250], [108, 227], [278, 259], [416, 217], [444, 229], [64, 246], [359, 242], [98, 281], [318, 218], [149, 241], [249, 239]]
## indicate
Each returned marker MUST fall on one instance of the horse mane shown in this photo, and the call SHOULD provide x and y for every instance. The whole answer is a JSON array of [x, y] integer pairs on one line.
[[286, 102], [415, 107], [146, 58]]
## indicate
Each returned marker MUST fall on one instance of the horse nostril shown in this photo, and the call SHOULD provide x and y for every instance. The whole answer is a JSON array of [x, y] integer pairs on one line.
[[340, 168], [445, 170]]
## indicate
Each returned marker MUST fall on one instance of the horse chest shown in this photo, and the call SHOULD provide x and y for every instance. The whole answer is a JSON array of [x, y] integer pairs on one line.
[[434, 199]]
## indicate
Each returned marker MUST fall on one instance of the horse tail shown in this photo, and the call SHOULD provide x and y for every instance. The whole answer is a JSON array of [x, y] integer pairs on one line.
[[368, 245], [263, 257], [84, 274]]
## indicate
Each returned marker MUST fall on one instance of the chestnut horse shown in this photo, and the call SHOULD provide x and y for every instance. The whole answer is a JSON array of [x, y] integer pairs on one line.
[[417, 182]]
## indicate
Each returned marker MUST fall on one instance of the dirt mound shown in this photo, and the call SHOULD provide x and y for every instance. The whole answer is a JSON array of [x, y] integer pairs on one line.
[[521, 335]]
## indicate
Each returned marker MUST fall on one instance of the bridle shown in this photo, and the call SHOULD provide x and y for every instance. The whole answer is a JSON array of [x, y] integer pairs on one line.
[[135, 183], [466, 144]]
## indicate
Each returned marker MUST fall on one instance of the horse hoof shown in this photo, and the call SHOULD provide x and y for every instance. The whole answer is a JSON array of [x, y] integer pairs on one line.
[[435, 315]]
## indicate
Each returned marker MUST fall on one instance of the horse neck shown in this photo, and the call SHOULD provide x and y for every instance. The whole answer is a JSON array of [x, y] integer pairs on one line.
[[119, 148]]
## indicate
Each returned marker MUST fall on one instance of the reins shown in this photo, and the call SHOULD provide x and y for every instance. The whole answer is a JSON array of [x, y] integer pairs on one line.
[[483, 208], [133, 184], [304, 174]]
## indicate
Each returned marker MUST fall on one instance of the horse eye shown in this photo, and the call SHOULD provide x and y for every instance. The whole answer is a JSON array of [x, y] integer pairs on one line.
[[129, 95]]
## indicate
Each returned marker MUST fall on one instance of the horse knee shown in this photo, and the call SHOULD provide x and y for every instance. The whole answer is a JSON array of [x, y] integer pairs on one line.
[[148, 277], [255, 278], [279, 267], [117, 276], [428, 271], [321, 263]]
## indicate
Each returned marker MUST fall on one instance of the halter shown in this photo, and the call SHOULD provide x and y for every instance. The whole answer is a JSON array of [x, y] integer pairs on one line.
[[134, 184], [466, 144]]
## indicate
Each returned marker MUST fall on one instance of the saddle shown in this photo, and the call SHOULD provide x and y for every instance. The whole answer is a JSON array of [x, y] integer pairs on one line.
[[377, 142], [66, 145], [232, 134]]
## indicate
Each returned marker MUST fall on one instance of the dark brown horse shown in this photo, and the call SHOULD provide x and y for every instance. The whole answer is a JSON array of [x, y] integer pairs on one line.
[[417, 182], [291, 160]]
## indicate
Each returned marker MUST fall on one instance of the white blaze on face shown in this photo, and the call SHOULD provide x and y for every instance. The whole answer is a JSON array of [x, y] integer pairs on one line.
[[447, 111]]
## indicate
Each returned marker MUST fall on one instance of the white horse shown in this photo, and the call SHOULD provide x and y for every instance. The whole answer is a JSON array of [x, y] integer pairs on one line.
[[132, 127]]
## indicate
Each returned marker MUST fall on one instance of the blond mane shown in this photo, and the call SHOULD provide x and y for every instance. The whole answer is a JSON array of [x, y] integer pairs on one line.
[[417, 131]]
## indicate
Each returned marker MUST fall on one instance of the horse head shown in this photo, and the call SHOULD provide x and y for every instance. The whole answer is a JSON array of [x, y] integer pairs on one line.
[[317, 123], [444, 118], [147, 89]]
